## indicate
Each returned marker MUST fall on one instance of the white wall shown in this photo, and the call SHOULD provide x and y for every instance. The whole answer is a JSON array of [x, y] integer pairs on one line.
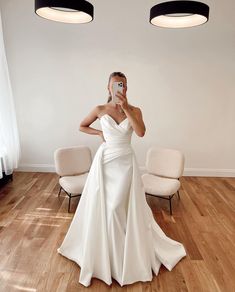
[[183, 80]]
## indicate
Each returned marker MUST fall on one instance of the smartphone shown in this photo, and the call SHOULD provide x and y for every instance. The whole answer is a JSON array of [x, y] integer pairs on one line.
[[116, 86]]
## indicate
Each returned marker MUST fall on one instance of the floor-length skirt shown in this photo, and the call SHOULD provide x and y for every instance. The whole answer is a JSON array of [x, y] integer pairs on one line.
[[113, 233]]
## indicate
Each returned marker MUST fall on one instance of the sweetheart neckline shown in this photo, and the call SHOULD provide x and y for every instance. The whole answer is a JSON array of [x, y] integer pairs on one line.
[[114, 120]]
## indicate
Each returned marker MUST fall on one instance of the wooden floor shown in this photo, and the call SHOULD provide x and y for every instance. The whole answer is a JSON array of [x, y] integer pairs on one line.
[[34, 221]]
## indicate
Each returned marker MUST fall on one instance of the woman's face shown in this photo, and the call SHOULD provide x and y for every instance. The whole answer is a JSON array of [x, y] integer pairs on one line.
[[117, 79]]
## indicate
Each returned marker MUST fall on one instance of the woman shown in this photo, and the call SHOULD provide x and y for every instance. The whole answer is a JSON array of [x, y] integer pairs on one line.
[[113, 233]]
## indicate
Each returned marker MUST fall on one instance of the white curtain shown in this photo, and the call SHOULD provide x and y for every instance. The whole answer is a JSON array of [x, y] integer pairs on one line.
[[9, 138]]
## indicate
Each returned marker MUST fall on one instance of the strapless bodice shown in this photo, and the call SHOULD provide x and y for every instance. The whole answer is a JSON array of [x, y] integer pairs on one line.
[[116, 134]]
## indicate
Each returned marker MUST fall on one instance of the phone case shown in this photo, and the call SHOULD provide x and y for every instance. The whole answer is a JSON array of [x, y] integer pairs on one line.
[[117, 86]]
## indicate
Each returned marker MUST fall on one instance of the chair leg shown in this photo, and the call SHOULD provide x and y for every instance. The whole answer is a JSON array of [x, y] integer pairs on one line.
[[178, 194], [165, 198], [69, 203], [59, 191], [170, 204]]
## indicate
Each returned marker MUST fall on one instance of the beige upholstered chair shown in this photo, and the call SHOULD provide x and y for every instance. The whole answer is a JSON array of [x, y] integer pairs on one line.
[[72, 164], [164, 168]]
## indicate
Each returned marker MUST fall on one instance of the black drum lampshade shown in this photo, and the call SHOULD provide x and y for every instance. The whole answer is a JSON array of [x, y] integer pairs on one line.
[[179, 14], [69, 11]]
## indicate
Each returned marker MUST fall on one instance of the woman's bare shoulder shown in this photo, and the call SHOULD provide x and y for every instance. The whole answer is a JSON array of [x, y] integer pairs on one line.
[[100, 109]]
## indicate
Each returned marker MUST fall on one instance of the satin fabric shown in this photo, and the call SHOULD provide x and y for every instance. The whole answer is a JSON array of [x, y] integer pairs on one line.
[[113, 233]]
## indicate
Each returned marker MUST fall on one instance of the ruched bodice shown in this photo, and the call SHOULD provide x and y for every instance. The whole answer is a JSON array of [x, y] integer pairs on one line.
[[116, 134]]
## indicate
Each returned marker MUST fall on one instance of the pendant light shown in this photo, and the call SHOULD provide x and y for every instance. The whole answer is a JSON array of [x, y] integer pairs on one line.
[[179, 14], [69, 11]]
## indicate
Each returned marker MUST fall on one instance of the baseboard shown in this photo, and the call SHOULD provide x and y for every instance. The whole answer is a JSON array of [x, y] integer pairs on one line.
[[209, 172], [36, 168], [212, 172], [187, 171]]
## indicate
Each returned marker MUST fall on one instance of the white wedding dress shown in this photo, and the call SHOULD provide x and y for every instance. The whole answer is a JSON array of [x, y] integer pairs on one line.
[[113, 233]]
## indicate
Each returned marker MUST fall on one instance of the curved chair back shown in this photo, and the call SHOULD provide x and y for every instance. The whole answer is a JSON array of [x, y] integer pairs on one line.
[[165, 162], [72, 160]]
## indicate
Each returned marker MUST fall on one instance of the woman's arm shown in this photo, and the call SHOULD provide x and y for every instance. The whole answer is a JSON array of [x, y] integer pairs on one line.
[[136, 119], [89, 119]]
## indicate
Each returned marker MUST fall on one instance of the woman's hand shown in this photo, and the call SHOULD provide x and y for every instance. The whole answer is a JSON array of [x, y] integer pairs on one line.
[[122, 100]]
